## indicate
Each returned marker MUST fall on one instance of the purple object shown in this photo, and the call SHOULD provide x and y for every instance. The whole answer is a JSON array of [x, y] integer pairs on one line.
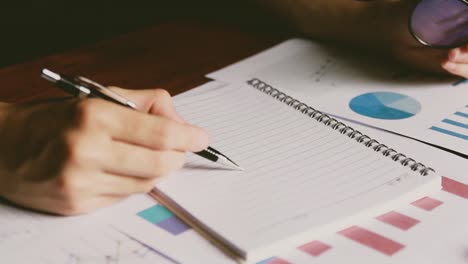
[[173, 225], [440, 23]]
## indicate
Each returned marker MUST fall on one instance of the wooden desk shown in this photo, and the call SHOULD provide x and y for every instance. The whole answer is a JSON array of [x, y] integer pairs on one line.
[[172, 56]]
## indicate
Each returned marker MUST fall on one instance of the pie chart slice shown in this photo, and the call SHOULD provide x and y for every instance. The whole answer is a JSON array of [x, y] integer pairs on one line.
[[385, 105]]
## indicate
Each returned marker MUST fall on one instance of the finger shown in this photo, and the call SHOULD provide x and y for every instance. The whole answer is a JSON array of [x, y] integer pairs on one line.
[[86, 205], [120, 185], [458, 55], [82, 185], [131, 160], [92, 204], [154, 101], [154, 132], [128, 125], [460, 69]]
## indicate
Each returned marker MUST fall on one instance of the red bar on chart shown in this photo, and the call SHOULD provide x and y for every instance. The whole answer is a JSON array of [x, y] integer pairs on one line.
[[373, 240], [455, 187], [427, 203], [398, 220], [315, 248]]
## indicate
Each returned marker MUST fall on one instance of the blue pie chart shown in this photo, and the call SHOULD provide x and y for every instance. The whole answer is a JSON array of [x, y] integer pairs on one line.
[[385, 105]]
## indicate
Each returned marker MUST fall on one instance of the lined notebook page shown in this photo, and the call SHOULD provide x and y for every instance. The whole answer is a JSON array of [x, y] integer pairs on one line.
[[299, 174]]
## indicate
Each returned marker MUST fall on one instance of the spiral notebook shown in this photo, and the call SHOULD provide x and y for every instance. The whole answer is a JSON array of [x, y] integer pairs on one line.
[[306, 174]]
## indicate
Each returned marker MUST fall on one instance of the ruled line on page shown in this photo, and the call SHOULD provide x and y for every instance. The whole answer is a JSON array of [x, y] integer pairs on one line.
[[295, 167]]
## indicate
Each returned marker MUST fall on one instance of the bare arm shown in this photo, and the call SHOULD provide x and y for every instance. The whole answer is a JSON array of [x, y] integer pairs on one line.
[[359, 22]]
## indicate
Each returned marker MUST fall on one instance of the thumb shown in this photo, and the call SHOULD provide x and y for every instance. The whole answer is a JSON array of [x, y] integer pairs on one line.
[[152, 101]]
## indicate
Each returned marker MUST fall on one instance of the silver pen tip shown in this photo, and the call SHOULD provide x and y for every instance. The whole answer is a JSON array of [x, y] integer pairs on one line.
[[50, 75], [222, 160]]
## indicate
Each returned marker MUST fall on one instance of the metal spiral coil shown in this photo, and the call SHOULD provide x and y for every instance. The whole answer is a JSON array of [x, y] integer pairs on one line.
[[341, 127]]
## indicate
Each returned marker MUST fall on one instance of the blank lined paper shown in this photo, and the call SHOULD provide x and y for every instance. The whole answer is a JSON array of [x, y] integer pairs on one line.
[[299, 174]]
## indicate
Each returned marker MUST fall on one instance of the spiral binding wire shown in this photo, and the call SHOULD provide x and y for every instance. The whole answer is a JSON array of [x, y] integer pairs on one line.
[[341, 127]]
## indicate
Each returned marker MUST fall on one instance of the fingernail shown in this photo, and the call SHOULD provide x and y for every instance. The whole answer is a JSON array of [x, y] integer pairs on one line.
[[202, 139], [450, 66]]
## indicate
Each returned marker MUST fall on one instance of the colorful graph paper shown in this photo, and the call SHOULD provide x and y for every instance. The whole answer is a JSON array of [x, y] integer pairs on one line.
[[163, 218]]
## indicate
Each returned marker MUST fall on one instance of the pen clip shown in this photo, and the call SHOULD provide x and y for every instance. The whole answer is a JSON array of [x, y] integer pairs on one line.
[[102, 91]]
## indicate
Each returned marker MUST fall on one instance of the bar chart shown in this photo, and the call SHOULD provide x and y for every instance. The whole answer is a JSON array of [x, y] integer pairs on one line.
[[455, 126]]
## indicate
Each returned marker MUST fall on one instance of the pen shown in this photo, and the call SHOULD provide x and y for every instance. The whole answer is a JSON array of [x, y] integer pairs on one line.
[[83, 87]]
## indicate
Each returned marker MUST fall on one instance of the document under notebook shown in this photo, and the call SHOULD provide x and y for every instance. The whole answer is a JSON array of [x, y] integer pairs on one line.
[[306, 174]]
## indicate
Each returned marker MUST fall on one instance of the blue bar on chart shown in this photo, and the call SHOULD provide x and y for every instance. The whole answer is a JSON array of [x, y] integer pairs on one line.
[[455, 125], [450, 133], [461, 114], [273, 260], [165, 219]]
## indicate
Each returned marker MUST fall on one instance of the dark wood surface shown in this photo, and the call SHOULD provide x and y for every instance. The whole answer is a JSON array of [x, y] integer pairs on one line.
[[174, 56]]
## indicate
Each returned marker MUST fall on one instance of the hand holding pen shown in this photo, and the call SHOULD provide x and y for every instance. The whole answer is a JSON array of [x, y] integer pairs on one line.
[[82, 87], [75, 156]]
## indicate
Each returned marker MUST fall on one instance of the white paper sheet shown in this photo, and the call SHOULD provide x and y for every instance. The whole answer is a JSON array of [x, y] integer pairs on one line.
[[31, 237], [301, 176], [329, 79]]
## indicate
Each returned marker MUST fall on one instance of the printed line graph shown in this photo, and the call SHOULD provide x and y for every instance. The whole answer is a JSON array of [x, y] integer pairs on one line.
[[124, 251], [105, 245]]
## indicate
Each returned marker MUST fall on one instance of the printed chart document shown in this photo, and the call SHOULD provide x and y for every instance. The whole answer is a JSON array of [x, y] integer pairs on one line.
[[410, 228], [150, 222], [145, 220], [31, 237], [302, 178], [407, 234], [427, 107]]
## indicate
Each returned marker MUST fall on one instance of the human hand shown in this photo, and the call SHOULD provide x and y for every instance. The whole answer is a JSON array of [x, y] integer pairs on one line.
[[380, 25], [453, 61], [446, 30], [74, 156], [457, 61]]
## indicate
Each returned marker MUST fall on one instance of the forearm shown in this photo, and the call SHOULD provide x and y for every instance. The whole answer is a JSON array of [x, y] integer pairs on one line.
[[357, 22], [4, 174], [3, 113]]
